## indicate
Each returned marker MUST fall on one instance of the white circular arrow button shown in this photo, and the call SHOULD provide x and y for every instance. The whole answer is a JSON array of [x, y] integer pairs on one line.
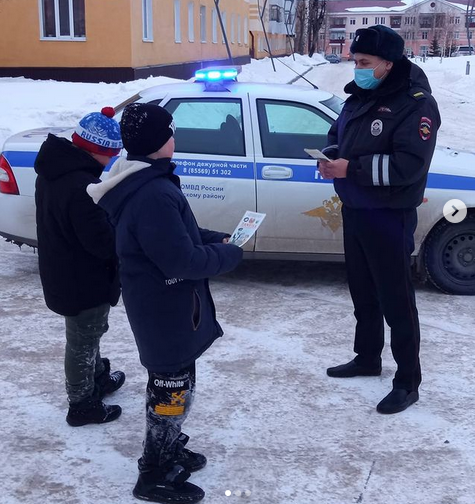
[[455, 211]]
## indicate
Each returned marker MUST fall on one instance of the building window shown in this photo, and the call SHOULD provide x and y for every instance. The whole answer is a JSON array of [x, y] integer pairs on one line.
[[364, 21], [191, 22], [352, 35], [376, 20], [233, 31], [246, 31], [424, 35], [63, 19], [214, 24], [203, 23], [456, 35], [275, 13], [352, 21], [383, 20], [177, 8], [224, 27], [147, 21], [457, 20], [239, 29]]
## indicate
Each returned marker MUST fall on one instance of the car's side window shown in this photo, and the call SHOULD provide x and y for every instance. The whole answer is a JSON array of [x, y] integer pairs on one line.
[[287, 128], [208, 126]]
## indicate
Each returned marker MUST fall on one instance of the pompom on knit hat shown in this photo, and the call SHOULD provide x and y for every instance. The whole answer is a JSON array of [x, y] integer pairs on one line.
[[379, 41], [99, 133], [145, 128]]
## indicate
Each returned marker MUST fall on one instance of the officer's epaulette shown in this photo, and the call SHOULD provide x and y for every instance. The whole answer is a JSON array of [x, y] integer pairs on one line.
[[418, 95]]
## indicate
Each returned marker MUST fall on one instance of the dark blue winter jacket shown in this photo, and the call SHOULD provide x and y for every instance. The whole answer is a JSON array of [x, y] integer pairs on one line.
[[165, 260]]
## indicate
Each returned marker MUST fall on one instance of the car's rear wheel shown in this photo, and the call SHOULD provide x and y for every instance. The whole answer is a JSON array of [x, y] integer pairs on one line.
[[449, 256]]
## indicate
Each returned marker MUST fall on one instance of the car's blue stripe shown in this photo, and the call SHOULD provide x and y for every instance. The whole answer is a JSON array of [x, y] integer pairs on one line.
[[244, 170]]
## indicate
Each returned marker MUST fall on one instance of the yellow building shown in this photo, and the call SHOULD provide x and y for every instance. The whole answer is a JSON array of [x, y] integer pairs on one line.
[[119, 40]]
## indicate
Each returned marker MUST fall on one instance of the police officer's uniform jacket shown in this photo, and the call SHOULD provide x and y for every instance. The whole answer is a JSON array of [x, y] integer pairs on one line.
[[388, 135]]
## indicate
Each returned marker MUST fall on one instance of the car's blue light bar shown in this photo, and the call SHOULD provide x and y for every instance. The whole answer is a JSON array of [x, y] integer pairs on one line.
[[216, 74]]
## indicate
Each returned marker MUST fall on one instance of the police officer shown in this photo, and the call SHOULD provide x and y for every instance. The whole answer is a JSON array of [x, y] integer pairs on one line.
[[381, 148]]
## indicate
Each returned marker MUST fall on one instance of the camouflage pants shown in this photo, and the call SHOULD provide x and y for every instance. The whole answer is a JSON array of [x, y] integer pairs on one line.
[[168, 401], [82, 361]]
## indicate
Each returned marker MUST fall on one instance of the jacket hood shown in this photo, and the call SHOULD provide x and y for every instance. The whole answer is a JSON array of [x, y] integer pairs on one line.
[[58, 156], [125, 178], [403, 75]]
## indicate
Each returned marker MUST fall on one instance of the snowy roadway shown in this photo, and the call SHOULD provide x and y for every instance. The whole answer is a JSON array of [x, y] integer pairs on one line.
[[266, 415]]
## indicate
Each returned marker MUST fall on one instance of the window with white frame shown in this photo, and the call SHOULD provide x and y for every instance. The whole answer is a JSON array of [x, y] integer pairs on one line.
[[456, 35], [246, 31], [147, 21], [239, 29], [224, 27], [376, 20], [233, 31], [457, 20], [203, 23], [383, 20], [364, 21], [352, 21], [424, 35], [214, 26], [352, 35], [63, 19], [191, 22], [177, 13]]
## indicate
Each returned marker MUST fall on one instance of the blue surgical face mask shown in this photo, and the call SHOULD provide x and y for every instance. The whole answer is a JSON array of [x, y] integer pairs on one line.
[[365, 79]]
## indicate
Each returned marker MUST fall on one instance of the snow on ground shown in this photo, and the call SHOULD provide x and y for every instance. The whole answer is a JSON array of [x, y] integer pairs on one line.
[[266, 415]]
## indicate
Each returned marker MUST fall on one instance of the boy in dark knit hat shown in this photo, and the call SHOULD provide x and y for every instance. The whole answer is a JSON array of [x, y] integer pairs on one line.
[[77, 259], [382, 145], [165, 262]]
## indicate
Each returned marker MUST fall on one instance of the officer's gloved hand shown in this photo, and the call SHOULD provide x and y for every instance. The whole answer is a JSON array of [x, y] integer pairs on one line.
[[331, 152]]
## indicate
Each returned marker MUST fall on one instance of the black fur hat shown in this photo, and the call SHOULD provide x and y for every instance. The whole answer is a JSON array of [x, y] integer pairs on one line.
[[379, 41]]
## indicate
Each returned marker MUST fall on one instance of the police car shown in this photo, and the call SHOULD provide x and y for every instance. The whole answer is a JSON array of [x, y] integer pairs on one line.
[[240, 146]]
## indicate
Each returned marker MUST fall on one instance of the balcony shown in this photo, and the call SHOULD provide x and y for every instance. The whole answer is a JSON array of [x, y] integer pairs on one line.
[[334, 26], [395, 22], [337, 40]]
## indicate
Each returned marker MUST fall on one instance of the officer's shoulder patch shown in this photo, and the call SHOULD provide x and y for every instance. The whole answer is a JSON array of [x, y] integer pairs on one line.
[[418, 95]]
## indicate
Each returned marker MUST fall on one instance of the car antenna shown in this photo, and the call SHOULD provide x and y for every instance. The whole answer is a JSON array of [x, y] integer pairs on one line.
[[295, 72]]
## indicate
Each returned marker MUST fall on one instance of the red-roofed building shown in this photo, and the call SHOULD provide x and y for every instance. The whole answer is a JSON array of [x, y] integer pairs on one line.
[[419, 24]]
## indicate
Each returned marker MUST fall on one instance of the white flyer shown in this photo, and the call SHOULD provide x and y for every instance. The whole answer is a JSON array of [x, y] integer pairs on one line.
[[316, 154], [247, 226]]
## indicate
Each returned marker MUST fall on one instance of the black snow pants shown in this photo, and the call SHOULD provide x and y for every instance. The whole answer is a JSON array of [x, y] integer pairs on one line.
[[378, 247], [169, 397]]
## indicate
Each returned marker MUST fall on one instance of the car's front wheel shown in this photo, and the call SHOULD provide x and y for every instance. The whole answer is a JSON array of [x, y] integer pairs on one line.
[[449, 256]]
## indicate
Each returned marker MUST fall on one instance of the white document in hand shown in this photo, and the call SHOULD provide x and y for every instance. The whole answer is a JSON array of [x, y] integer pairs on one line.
[[316, 154], [247, 226]]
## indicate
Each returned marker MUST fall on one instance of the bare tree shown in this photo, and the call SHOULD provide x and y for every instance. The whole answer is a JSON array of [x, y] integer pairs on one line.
[[316, 19], [301, 16], [468, 21]]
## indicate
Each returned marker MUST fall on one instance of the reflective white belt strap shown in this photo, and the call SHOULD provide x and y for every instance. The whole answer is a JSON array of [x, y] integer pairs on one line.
[[376, 169], [386, 169]]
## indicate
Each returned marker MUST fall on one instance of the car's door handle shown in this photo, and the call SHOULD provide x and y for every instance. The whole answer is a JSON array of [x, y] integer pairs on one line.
[[277, 172]]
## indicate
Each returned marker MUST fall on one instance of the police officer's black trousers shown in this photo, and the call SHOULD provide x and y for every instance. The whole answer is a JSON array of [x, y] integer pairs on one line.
[[169, 397], [378, 247]]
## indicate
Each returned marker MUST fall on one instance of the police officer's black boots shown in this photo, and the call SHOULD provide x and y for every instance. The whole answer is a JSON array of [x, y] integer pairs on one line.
[[92, 411], [167, 486], [352, 369], [397, 400], [108, 382]]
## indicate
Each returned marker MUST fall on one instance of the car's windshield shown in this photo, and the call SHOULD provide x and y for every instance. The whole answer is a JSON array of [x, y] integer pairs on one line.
[[334, 103]]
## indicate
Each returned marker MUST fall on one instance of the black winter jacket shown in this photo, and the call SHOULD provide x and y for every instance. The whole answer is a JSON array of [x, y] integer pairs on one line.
[[388, 135], [76, 244], [165, 260]]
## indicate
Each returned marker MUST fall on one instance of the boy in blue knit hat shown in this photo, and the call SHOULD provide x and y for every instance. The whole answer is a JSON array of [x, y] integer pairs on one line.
[[77, 259]]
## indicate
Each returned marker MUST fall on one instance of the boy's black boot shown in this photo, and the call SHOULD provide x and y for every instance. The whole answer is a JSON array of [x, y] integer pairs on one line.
[[92, 411], [167, 487], [189, 460], [108, 382]]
